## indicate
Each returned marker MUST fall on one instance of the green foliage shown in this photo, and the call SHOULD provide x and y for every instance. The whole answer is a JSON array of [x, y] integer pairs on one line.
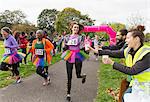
[[70, 14], [117, 26], [5, 24], [16, 20], [56, 58], [12, 17], [64, 17], [46, 19], [103, 35], [147, 37]]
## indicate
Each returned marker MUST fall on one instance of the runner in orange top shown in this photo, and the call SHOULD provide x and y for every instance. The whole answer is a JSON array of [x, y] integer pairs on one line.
[[41, 49]]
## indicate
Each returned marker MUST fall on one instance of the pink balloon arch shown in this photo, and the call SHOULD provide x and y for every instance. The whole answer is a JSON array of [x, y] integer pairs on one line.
[[102, 28]]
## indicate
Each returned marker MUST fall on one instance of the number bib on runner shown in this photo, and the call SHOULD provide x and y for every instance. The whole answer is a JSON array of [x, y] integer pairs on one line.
[[73, 42], [39, 51], [7, 51]]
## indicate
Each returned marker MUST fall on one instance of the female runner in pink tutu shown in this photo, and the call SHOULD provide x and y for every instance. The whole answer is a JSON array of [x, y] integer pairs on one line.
[[11, 57], [73, 55]]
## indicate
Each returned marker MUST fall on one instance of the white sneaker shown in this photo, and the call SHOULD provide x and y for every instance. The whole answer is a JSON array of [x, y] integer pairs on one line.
[[18, 81], [68, 97], [48, 80], [44, 83]]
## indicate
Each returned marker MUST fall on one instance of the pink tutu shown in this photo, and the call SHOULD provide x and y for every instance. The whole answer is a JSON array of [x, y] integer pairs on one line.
[[12, 58]]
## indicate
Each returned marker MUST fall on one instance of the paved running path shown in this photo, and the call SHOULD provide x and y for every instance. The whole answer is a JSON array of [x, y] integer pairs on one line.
[[31, 89]]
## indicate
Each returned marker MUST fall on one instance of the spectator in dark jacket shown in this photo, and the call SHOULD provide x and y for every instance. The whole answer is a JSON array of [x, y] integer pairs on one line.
[[31, 38], [121, 36]]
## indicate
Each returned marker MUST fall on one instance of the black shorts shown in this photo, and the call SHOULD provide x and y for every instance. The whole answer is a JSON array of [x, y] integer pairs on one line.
[[4, 66]]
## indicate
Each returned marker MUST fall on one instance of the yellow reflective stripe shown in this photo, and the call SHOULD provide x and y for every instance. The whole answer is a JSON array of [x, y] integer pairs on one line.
[[137, 54], [128, 57], [129, 61], [143, 76], [142, 54], [126, 52]]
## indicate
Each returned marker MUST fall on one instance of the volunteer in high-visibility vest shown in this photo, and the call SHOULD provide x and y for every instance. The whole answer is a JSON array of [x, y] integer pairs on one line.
[[41, 56], [137, 58]]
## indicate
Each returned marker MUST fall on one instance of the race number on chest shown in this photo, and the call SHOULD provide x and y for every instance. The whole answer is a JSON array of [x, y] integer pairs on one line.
[[7, 51], [39, 51], [73, 42]]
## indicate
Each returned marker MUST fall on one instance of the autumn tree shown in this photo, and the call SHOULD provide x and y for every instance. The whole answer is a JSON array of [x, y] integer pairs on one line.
[[24, 28]]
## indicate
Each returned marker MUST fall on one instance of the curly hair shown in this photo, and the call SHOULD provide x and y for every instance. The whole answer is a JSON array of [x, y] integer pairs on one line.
[[81, 27]]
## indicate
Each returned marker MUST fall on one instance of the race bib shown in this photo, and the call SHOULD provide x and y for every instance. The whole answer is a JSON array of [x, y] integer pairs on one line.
[[73, 42], [39, 51], [7, 51]]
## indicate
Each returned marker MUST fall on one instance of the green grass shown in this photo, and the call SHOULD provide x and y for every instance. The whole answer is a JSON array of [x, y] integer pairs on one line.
[[25, 70], [108, 78]]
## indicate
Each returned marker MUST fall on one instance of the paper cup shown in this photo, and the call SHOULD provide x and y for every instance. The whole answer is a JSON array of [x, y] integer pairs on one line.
[[105, 56], [87, 47]]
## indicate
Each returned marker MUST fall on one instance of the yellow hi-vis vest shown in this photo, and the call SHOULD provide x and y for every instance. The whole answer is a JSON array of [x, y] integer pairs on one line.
[[143, 76]]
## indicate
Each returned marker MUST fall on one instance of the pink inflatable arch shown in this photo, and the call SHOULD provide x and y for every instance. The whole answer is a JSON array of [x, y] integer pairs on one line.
[[103, 28]]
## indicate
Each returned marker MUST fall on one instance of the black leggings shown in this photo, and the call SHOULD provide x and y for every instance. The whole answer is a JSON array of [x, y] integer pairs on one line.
[[15, 70], [6, 67], [42, 71], [69, 68], [24, 50]]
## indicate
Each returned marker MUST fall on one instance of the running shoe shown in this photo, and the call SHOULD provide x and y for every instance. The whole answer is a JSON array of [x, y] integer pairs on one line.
[[84, 78]]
